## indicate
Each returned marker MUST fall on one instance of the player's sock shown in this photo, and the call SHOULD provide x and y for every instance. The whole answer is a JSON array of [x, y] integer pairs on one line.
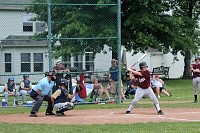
[[195, 97], [157, 107]]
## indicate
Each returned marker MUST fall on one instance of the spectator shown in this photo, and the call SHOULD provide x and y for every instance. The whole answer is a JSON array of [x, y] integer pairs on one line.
[[25, 88], [60, 69], [113, 78], [11, 89], [131, 87], [158, 86], [61, 99], [99, 90], [42, 92], [143, 88]]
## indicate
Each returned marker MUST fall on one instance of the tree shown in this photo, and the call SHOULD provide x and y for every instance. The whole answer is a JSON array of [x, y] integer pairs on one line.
[[75, 26], [146, 23], [189, 12]]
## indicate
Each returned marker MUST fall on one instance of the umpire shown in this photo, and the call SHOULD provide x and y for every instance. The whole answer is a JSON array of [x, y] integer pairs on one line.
[[42, 92]]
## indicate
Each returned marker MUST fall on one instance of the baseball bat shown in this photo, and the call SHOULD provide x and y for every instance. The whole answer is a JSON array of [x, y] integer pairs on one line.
[[139, 59]]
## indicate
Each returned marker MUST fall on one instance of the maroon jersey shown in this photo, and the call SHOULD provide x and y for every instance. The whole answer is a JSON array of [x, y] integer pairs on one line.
[[196, 74], [144, 80]]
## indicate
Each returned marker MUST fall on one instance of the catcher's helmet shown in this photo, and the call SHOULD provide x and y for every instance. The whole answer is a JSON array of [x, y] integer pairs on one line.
[[143, 64], [10, 79], [63, 82]]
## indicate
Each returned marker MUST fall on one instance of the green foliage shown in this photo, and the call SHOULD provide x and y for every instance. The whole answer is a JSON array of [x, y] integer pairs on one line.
[[146, 24], [79, 27]]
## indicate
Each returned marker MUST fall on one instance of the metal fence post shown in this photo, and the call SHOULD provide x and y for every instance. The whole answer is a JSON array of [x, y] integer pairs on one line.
[[119, 48], [49, 34]]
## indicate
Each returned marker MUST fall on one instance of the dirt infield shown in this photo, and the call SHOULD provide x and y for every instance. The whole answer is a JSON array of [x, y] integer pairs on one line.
[[108, 116]]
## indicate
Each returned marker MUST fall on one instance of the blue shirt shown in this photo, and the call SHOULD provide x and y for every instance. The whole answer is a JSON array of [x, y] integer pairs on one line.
[[114, 73], [45, 86]]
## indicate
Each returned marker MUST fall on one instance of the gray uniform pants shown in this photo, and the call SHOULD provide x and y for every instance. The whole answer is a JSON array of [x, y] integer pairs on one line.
[[141, 93], [196, 85]]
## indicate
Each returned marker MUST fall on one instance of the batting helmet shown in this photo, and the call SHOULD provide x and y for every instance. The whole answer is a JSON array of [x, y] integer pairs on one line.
[[143, 64], [10, 79]]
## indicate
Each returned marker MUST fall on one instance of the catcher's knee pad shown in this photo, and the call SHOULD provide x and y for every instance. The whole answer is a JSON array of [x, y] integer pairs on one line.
[[68, 106]]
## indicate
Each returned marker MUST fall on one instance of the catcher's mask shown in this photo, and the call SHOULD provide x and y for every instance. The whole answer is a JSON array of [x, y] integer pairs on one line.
[[64, 82], [51, 74]]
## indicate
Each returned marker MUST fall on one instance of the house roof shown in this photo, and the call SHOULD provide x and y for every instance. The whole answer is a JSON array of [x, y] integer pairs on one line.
[[13, 4], [22, 41]]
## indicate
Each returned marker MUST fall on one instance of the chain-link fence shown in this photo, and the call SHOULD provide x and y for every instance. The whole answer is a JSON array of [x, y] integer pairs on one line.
[[34, 34]]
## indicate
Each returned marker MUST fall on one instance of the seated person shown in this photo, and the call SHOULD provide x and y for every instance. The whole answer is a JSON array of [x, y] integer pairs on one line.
[[158, 86], [25, 87], [131, 87], [98, 90], [11, 89], [61, 99]]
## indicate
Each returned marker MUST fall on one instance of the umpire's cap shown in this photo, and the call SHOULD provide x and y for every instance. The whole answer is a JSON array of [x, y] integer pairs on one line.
[[51, 73], [143, 64]]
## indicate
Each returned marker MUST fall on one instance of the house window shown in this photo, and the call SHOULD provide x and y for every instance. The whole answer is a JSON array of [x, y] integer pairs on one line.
[[78, 62], [8, 64], [28, 26], [38, 62], [89, 61], [25, 62], [66, 61]]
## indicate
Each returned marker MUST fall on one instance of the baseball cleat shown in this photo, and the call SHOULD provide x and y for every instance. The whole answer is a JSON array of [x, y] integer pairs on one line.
[[195, 101], [60, 114], [128, 112], [33, 115], [160, 112], [50, 113]]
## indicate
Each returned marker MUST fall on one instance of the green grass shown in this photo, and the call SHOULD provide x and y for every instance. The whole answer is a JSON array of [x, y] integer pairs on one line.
[[163, 127], [182, 92]]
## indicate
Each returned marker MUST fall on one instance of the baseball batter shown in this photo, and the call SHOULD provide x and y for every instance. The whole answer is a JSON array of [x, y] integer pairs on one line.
[[195, 69], [143, 88]]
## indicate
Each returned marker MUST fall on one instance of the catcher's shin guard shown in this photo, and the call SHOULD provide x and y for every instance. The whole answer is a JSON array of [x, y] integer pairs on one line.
[[68, 106]]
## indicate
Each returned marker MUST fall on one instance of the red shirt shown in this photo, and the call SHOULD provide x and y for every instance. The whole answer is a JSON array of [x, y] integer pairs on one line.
[[144, 80], [196, 74]]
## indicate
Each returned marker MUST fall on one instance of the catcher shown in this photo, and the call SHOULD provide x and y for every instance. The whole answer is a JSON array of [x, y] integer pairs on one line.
[[61, 99]]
